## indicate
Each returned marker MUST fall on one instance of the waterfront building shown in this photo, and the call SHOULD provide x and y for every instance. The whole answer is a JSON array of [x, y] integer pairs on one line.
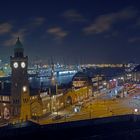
[[98, 82], [80, 79], [134, 76], [18, 102]]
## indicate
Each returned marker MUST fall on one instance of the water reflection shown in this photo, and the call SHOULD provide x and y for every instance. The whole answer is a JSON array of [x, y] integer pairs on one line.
[[36, 82]]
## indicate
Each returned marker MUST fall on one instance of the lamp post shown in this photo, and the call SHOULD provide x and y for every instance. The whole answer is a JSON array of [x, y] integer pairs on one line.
[[0, 107], [56, 87], [135, 114], [50, 100], [57, 108], [90, 109], [98, 83]]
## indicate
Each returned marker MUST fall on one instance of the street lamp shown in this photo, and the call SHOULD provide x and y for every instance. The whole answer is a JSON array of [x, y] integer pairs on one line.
[[135, 110], [90, 109], [50, 100], [104, 83], [135, 114]]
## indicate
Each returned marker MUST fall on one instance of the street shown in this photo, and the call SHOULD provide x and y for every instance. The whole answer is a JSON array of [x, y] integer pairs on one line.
[[97, 108]]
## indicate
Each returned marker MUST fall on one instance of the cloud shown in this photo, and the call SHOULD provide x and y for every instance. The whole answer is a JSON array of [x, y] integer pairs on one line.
[[113, 34], [5, 28], [134, 39], [126, 13], [22, 32], [13, 36], [33, 23], [38, 21], [137, 23], [104, 23], [57, 32], [73, 15]]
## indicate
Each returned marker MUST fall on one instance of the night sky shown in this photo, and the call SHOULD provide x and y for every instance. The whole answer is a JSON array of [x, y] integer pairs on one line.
[[72, 31]]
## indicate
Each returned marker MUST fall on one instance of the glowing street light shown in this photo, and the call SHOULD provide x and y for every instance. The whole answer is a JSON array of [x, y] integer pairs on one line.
[[135, 110], [114, 79], [24, 88], [104, 83], [122, 78]]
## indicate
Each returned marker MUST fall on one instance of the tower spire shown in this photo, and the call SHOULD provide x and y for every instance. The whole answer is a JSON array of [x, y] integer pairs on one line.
[[18, 38], [18, 43], [18, 48]]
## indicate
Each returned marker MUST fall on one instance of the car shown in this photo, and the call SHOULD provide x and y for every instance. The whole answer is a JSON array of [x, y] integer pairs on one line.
[[57, 117], [67, 115]]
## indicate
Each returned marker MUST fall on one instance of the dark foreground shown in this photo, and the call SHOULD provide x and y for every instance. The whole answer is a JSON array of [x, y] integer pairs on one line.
[[125, 127]]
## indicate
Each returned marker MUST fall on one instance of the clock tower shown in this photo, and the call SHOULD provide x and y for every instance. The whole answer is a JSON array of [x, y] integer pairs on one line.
[[20, 97]]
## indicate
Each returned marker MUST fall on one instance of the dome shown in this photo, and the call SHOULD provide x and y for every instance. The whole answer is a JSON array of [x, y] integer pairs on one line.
[[18, 44], [18, 50], [80, 76], [80, 79]]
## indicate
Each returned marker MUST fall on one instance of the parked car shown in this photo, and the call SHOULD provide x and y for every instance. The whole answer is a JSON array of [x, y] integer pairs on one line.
[[57, 117]]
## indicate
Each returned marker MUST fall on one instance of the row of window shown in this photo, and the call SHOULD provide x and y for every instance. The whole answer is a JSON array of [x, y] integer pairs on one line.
[[7, 98], [25, 100], [16, 101], [4, 98]]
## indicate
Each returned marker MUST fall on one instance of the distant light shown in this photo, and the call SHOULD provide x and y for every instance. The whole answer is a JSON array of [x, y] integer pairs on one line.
[[135, 110], [75, 110], [104, 83], [30, 78], [53, 78], [5, 68], [116, 91], [24, 88]]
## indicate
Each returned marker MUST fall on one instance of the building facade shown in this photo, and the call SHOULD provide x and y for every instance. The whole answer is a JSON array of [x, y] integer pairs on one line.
[[20, 96]]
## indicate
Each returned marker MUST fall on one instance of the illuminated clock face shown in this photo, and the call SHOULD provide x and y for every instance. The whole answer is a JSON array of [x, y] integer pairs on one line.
[[15, 65], [23, 64], [24, 88]]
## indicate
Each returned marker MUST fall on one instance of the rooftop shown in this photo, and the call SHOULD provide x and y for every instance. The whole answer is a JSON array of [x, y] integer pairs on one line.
[[18, 44]]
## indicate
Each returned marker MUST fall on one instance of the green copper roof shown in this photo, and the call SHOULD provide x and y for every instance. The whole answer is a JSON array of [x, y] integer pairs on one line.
[[18, 44]]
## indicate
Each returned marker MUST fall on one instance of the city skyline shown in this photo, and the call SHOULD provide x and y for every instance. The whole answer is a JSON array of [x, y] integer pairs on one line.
[[69, 69], [72, 31]]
